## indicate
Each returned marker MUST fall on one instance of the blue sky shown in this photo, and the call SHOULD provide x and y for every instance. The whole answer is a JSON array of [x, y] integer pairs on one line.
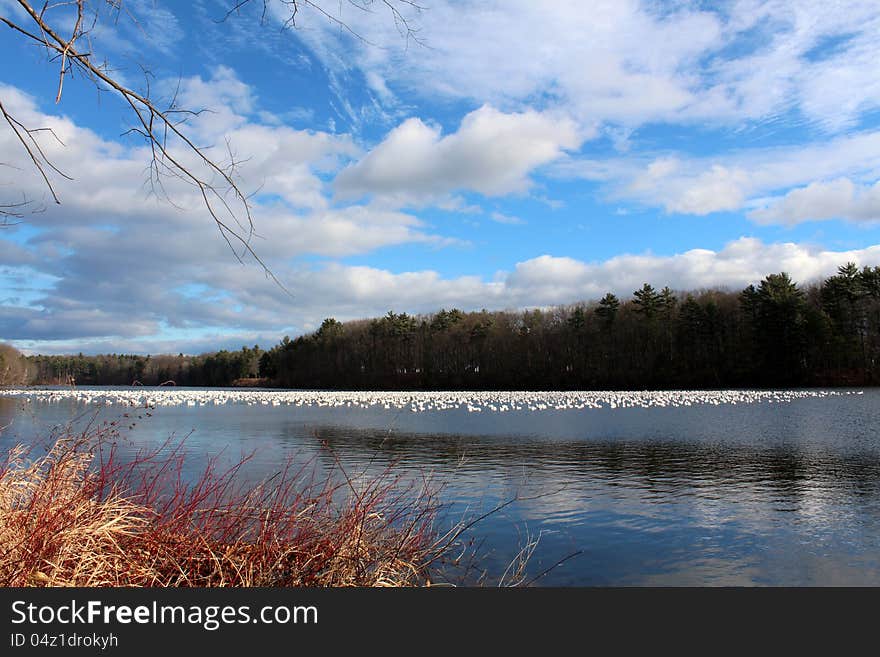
[[513, 154]]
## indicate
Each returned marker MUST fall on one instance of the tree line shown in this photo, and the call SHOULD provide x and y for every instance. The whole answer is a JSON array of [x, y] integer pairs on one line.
[[776, 333], [771, 334], [222, 368]]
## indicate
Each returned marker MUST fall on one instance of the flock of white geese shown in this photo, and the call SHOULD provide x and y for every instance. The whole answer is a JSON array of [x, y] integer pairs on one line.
[[474, 402]]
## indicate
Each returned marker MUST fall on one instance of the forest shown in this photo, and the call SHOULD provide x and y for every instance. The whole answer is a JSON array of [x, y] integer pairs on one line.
[[222, 368], [776, 333]]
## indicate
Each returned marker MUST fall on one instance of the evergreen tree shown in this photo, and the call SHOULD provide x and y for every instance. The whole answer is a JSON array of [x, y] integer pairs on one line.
[[646, 301], [607, 308]]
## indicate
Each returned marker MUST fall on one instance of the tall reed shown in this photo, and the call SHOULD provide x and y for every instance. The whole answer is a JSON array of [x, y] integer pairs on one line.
[[80, 515]]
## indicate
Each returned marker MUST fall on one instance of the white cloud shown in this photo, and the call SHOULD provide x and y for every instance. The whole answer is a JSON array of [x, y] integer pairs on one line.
[[501, 218], [625, 62], [198, 343], [737, 179], [492, 153], [223, 100], [133, 306], [681, 190], [112, 261], [835, 199], [715, 190], [139, 26], [355, 292], [339, 232], [547, 279], [831, 85]]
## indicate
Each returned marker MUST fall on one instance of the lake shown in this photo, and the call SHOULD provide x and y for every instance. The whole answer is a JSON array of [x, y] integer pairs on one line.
[[681, 488]]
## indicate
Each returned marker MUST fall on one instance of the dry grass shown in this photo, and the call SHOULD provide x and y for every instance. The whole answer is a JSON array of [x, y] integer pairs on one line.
[[80, 516]]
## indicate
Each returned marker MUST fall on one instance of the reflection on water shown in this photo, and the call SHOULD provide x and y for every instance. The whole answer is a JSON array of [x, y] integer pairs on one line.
[[753, 494]]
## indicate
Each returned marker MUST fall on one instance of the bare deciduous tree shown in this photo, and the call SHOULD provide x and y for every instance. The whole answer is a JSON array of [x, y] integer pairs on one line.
[[64, 29], [13, 367]]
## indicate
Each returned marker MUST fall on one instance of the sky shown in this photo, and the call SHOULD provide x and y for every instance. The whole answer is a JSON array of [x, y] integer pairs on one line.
[[497, 154]]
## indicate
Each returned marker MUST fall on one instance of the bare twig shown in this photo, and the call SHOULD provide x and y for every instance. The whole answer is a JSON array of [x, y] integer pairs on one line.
[[33, 149], [160, 128], [164, 129]]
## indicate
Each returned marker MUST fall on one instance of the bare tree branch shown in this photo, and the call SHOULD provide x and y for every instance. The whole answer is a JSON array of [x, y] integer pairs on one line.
[[33, 149], [291, 11], [163, 128]]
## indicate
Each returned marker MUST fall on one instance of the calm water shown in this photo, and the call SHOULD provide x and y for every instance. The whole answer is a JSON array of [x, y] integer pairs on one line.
[[756, 494]]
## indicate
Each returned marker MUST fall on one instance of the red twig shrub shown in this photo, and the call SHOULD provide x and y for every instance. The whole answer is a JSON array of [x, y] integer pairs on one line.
[[80, 515]]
